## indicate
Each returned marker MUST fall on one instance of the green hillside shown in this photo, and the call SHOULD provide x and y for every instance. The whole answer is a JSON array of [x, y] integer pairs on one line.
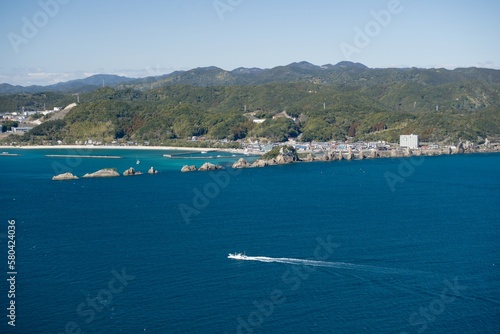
[[36, 101]]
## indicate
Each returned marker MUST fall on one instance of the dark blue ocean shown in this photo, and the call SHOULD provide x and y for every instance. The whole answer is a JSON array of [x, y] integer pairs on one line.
[[373, 246]]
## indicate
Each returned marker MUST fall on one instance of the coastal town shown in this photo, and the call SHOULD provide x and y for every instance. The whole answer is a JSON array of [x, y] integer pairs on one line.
[[252, 150], [257, 154], [408, 145]]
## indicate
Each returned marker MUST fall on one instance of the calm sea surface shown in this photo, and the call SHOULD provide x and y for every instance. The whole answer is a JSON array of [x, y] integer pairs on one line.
[[373, 246]]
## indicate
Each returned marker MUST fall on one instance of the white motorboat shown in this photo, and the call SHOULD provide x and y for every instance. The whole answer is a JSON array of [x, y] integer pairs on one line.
[[237, 256]]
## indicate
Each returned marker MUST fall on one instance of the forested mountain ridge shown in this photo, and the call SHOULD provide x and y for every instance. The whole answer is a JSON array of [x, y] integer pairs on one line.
[[343, 73]]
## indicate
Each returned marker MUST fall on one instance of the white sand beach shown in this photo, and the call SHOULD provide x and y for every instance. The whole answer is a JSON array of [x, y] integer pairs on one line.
[[90, 147], [85, 148]]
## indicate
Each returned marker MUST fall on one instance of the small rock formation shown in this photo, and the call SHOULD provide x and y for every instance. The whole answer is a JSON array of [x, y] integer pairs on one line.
[[309, 158], [396, 153], [350, 154], [131, 171], [65, 176], [383, 154], [187, 168], [241, 163], [260, 163], [207, 166], [361, 155], [106, 172], [283, 159], [407, 152], [460, 148], [330, 155], [340, 156], [152, 170], [373, 154], [278, 156]]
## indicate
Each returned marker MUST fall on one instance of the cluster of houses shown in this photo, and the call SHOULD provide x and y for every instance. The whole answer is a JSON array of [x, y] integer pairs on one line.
[[23, 116], [91, 142], [406, 141]]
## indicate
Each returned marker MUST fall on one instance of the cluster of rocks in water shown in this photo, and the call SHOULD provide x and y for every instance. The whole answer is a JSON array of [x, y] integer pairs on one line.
[[284, 157], [106, 172], [207, 166]]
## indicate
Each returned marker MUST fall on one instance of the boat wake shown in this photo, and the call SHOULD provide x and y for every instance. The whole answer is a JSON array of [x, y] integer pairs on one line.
[[327, 264]]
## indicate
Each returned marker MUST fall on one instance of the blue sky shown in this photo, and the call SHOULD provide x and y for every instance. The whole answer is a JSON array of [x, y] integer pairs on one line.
[[48, 41]]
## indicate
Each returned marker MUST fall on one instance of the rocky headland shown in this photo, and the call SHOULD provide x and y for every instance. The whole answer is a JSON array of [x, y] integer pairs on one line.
[[286, 154], [281, 155]]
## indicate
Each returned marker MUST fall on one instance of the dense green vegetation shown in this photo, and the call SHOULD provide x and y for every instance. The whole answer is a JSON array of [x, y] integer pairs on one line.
[[356, 103], [33, 102], [7, 125]]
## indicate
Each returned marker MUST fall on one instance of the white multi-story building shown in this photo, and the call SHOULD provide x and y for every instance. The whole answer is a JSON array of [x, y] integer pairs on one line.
[[410, 141]]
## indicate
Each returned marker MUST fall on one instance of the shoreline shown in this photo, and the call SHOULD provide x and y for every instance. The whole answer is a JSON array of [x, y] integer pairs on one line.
[[88, 147], [322, 156]]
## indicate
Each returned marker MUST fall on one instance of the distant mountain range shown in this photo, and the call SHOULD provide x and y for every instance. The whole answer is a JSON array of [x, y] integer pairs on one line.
[[343, 73], [74, 86]]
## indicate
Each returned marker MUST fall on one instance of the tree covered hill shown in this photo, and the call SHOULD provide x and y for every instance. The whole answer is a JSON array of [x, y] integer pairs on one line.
[[34, 101], [321, 103]]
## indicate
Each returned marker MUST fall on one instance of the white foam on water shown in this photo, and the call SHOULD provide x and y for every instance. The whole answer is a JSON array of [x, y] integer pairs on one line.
[[338, 265]]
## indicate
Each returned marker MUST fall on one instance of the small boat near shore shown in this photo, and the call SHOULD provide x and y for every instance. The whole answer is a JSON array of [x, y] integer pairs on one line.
[[7, 154]]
